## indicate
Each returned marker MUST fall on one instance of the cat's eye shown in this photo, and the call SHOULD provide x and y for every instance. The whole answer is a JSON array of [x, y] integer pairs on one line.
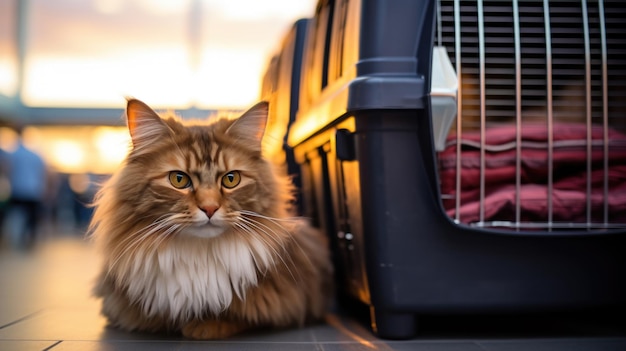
[[179, 180], [231, 179]]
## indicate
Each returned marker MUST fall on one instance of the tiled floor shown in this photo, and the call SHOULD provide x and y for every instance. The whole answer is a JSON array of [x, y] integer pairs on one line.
[[45, 304]]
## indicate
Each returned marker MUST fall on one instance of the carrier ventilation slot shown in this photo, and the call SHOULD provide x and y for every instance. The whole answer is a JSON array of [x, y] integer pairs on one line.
[[539, 141]]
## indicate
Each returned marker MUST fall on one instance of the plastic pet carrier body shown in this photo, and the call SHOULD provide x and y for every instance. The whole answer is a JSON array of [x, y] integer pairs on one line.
[[280, 87], [467, 156]]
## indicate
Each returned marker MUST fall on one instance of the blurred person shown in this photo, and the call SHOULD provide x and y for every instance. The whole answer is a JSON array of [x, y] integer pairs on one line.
[[27, 177]]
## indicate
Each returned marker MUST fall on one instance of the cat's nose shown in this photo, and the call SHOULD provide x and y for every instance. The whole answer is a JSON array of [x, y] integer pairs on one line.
[[210, 210]]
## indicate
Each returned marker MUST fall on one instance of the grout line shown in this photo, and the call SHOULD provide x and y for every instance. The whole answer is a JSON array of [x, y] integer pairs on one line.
[[318, 346], [28, 316], [52, 346]]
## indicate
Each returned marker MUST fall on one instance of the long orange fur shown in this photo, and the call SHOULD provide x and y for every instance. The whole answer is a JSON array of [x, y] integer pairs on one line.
[[206, 260]]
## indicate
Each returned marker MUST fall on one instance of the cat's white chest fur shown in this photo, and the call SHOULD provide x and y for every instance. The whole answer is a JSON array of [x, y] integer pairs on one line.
[[189, 277]]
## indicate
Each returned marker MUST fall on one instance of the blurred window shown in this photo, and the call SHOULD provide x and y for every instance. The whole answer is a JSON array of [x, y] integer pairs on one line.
[[175, 53]]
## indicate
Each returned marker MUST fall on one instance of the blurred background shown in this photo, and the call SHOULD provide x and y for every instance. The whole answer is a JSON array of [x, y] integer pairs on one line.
[[66, 67]]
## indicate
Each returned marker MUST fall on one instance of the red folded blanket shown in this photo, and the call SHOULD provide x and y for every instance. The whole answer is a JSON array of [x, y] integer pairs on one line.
[[570, 179]]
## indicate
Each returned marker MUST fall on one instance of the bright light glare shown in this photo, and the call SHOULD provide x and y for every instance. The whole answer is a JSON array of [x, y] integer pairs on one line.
[[98, 81], [254, 9], [224, 78], [112, 145], [68, 156], [165, 7], [86, 149], [8, 77], [108, 6], [156, 62]]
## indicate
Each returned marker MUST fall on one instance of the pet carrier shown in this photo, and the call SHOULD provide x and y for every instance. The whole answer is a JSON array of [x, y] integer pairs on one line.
[[467, 156], [280, 87]]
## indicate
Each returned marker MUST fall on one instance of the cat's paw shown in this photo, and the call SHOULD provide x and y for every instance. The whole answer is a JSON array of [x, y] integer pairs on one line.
[[211, 329]]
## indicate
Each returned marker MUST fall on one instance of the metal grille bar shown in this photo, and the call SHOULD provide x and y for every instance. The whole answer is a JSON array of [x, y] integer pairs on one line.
[[481, 70], [518, 115], [583, 4], [546, 14], [543, 225], [522, 64], [459, 104], [605, 111]]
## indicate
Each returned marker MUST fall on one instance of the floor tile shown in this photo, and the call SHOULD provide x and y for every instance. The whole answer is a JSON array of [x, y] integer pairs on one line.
[[65, 324], [402, 346], [570, 344], [25, 345], [46, 304], [340, 329], [180, 346], [295, 335], [20, 282]]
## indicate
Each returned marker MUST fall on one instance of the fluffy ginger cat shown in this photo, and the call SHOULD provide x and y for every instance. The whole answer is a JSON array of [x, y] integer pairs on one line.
[[197, 235]]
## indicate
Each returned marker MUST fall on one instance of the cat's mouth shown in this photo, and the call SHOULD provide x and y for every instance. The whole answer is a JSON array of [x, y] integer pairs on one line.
[[205, 227], [205, 230]]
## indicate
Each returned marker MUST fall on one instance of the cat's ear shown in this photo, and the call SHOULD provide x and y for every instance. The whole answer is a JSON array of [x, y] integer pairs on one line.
[[249, 128], [144, 124]]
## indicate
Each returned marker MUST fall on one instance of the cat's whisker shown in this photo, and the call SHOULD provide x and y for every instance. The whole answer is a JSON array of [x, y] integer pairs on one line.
[[255, 214], [262, 268], [271, 234], [275, 221], [248, 227], [268, 231], [267, 244], [132, 242], [166, 235], [127, 253], [279, 226], [248, 230], [133, 236], [141, 234]]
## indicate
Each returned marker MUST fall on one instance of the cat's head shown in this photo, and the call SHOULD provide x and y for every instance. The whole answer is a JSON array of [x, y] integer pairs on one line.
[[198, 180]]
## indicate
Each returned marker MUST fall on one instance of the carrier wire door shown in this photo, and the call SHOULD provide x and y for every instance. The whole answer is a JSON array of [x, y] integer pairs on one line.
[[539, 139]]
